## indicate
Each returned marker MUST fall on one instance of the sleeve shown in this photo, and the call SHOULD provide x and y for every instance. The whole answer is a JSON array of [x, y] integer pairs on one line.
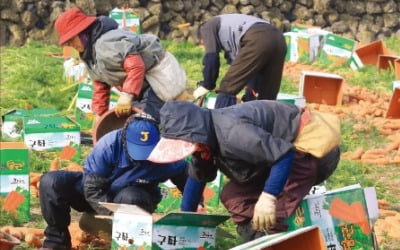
[[211, 63], [101, 97], [211, 66], [192, 195], [279, 174], [135, 71]]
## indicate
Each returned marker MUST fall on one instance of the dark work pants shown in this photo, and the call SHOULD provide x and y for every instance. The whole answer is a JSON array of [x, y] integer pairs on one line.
[[258, 64], [240, 199], [62, 190]]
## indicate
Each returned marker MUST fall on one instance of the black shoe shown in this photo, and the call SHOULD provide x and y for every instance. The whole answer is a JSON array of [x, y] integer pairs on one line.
[[247, 232]]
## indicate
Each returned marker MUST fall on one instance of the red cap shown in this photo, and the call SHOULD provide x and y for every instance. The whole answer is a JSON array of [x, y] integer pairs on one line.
[[71, 23]]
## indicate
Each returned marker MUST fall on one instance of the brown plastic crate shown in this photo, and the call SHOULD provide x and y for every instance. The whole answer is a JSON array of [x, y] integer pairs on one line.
[[393, 111], [323, 89], [369, 53], [387, 62], [397, 69]]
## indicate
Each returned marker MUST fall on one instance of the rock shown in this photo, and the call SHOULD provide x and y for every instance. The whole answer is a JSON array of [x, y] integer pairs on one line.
[[155, 8], [255, 3], [244, 2], [4, 33], [373, 8], [269, 3], [365, 36], [103, 7], [17, 37], [307, 3], [286, 6], [234, 2], [29, 19], [9, 15], [302, 13], [204, 3], [389, 7], [340, 27], [391, 20], [87, 6], [322, 5], [150, 22], [247, 10], [228, 9], [319, 20]]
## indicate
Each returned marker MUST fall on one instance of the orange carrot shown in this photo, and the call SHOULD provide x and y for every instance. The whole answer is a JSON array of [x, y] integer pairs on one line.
[[55, 164], [13, 200], [33, 240], [67, 153]]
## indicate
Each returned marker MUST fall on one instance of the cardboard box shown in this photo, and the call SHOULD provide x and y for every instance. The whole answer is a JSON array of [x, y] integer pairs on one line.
[[75, 71], [386, 62], [397, 69], [336, 50], [127, 19], [134, 228], [396, 85], [393, 111], [308, 238], [355, 62], [12, 126], [50, 133], [299, 101], [83, 108], [342, 215], [369, 53], [324, 88], [172, 197], [14, 180], [302, 46]]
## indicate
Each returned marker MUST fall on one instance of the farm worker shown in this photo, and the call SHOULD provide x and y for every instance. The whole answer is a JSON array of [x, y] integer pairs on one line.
[[255, 51], [146, 74], [115, 171], [271, 151]]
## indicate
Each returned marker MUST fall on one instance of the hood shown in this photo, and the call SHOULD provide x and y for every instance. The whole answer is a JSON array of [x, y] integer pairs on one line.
[[186, 121]]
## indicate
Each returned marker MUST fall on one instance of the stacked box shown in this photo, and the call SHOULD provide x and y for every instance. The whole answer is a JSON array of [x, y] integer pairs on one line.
[[83, 110], [14, 179], [127, 19], [172, 197], [134, 228], [52, 133], [12, 126], [336, 50], [342, 215]]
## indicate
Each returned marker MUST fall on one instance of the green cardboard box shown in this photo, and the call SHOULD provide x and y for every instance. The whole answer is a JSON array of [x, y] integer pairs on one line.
[[134, 228], [344, 216], [336, 50], [12, 126], [127, 19], [51, 133], [83, 108], [14, 180], [302, 46], [172, 197], [297, 100]]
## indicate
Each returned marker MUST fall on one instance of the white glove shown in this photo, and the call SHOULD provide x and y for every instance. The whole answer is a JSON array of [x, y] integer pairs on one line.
[[124, 104], [199, 92], [264, 212]]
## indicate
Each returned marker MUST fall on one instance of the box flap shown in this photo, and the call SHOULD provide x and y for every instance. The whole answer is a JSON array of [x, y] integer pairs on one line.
[[124, 208], [192, 219], [309, 238], [320, 74]]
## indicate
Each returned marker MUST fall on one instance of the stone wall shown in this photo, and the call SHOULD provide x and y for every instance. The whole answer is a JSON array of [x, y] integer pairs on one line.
[[362, 20]]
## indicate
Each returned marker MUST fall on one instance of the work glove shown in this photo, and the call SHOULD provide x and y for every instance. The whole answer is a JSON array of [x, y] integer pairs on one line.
[[124, 104], [264, 212], [199, 92], [95, 190]]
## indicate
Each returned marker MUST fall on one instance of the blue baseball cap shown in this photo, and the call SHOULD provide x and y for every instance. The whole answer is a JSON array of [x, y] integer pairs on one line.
[[141, 138]]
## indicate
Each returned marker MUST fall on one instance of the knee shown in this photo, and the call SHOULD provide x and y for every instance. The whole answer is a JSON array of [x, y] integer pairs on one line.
[[47, 181], [135, 197]]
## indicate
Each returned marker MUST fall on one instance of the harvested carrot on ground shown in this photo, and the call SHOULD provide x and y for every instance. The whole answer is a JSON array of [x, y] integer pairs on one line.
[[55, 164], [33, 240]]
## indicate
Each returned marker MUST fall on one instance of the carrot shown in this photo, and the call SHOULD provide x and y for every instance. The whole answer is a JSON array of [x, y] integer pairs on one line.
[[382, 161], [67, 153], [378, 151], [55, 164], [357, 154], [33, 240], [34, 191], [393, 146], [208, 194], [13, 200]]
